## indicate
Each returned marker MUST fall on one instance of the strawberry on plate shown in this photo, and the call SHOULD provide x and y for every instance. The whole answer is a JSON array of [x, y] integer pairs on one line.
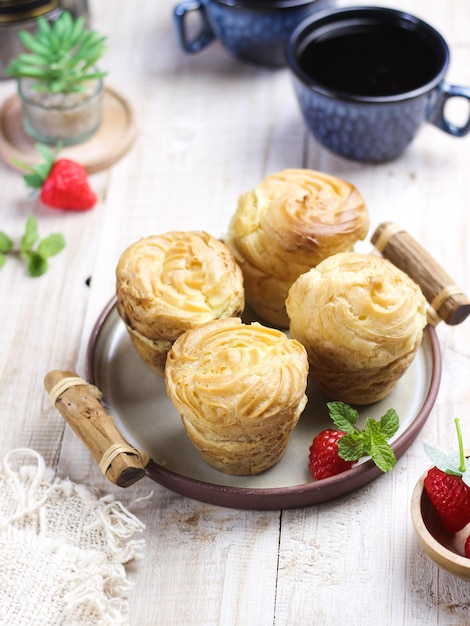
[[334, 451], [324, 460], [63, 183]]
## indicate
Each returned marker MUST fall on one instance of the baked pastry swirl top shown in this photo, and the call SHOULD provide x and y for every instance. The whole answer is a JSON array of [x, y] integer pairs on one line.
[[166, 284], [294, 219], [289, 223], [240, 390], [361, 320]]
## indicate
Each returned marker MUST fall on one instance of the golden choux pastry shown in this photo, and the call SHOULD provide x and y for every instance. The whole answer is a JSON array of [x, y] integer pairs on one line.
[[287, 224], [361, 320], [240, 390], [169, 283]]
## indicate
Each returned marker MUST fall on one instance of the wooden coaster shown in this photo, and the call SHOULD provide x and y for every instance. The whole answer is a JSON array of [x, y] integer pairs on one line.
[[112, 140]]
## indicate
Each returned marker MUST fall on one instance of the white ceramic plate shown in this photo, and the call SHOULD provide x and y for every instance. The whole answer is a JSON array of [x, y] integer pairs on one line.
[[137, 400]]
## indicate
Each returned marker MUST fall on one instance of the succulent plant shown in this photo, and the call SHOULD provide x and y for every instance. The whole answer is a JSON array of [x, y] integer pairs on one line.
[[62, 56]]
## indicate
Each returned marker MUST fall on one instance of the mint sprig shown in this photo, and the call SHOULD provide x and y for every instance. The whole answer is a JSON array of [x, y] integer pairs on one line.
[[371, 440], [454, 461], [32, 249]]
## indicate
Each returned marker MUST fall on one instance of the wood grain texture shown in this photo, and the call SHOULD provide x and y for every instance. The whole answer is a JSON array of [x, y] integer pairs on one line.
[[210, 128]]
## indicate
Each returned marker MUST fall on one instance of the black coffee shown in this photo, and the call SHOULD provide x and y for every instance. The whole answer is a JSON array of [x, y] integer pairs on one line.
[[371, 61]]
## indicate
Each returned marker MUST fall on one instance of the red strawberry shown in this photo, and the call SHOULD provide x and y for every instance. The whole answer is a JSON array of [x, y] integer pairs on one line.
[[467, 547], [63, 183], [67, 187], [450, 497], [323, 457]]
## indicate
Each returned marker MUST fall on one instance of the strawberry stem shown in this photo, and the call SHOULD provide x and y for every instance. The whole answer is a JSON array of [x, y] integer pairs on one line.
[[462, 466]]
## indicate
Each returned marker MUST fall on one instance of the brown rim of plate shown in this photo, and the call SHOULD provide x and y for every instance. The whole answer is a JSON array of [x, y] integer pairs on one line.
[[293, 496]]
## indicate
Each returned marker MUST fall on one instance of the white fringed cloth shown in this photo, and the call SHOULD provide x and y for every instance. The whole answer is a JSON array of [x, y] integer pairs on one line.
[[62, 549]]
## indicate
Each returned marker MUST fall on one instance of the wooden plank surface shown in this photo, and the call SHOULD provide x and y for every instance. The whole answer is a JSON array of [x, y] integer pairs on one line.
[[211, 128]]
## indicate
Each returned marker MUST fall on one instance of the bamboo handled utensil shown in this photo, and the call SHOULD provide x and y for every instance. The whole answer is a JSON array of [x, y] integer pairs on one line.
[[447, 301], [80, 405], [80, 402]]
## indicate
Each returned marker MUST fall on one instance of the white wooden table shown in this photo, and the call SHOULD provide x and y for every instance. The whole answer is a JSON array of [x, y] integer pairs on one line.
[[210, 128]]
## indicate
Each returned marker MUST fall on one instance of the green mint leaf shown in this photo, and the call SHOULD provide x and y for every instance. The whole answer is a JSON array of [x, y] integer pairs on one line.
[[371, 440], [6, 244], [377, 446], [372, 431], [389, 423], [37, 264], [344, 416], [35, 256], [51, 245], [351, 447], [31, 235], [382, 455]]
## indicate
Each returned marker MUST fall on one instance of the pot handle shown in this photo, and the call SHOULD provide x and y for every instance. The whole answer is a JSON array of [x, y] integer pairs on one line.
[[181, 15], [436, 114], [447, 301], [79, 404]]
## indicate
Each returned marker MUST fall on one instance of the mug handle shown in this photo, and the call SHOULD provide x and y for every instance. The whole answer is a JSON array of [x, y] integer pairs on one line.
[[180, 16], [437, 116]]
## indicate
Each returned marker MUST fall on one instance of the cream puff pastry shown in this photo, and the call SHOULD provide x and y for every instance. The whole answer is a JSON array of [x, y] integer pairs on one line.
[[167, 284], [361, 320], [239, 389], [287, 224]]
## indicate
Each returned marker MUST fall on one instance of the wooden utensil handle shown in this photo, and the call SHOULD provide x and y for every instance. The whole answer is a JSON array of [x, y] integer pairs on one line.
[[447, 301], [79, 404]]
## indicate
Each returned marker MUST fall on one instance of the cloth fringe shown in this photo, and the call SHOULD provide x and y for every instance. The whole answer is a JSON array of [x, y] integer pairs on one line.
[[62, 549]]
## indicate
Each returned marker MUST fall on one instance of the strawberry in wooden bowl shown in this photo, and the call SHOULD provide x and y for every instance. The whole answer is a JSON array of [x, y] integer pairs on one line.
[[440, 510]]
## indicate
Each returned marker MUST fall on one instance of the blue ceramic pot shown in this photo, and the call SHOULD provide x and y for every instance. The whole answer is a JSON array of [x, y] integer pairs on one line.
[[255, 31], [370, 127]]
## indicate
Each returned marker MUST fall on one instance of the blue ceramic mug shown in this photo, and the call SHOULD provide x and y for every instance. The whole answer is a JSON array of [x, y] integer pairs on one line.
[[367, 78], [252, 30]]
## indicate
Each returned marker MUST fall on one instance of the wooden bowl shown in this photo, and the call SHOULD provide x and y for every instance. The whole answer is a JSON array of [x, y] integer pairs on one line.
[[435, 541]]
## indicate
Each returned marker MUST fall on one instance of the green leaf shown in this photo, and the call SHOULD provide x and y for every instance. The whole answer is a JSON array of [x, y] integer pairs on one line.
[[382, 455], [32, 43], [344, 416], [33, 180], [441, 460], [36, 259], [59, 54], [51, 245], [44, 28], [37, 264], [76, 31], [454, 462], [351, 447], [389, 423], [375, 442], [47, 154], [6, 244], [371, 440], [31, 235]]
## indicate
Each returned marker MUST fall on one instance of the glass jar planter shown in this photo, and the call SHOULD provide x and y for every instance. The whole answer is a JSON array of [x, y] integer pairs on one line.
[[65, 119]]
